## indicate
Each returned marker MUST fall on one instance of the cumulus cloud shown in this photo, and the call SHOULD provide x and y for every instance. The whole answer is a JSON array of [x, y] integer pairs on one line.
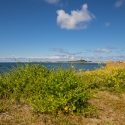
[[52, 1], [78, 19], [98, 50], [107, 24], [119, 3]]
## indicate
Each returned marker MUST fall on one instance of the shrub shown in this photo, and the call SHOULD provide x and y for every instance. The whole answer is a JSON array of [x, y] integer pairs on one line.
[[114, 79], [48, 91]]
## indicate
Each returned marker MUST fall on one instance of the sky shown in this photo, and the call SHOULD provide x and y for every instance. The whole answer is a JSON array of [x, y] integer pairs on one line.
[[62, 30]]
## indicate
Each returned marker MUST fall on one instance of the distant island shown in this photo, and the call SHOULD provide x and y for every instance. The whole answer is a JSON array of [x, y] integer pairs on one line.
[[73, 61], [79, 61]]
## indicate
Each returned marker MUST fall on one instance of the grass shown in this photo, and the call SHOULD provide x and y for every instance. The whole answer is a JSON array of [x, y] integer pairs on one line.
[[34, 95]]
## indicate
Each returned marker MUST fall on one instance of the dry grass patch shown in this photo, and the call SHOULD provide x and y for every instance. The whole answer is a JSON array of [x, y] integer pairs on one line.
[[110, 111], [111, 108]]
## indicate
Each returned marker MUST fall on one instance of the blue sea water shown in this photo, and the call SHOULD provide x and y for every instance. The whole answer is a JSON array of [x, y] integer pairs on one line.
[[6, 66]]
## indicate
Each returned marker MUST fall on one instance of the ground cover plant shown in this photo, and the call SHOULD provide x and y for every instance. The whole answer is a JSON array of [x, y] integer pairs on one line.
[[61, 96]]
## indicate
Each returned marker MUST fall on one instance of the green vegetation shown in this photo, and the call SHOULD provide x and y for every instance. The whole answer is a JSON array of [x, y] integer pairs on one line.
[[79, 61], [56, 92], [48, 91]]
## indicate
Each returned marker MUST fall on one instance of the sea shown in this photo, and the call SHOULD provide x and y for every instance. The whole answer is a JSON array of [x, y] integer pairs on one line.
[[7, 66]]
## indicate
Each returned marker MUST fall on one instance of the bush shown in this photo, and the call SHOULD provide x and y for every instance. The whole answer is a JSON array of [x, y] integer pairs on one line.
[[114, 79], [48, 91]]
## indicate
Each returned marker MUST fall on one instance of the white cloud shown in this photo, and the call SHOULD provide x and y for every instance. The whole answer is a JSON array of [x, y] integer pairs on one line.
[[119, 3], [98, 50], [63, 51], [77, 20], [107, 24], [65, 58], [64, 55], [52, 1]]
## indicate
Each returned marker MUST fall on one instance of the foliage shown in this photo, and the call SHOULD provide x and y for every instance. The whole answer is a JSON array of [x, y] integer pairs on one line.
[[48, 91], [58, 91], [112, 79]]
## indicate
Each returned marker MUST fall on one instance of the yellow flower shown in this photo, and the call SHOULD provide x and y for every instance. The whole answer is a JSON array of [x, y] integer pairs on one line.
[[66, 108]]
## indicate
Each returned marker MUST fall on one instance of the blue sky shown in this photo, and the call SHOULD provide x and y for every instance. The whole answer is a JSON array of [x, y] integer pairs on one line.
[[60, 30]]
